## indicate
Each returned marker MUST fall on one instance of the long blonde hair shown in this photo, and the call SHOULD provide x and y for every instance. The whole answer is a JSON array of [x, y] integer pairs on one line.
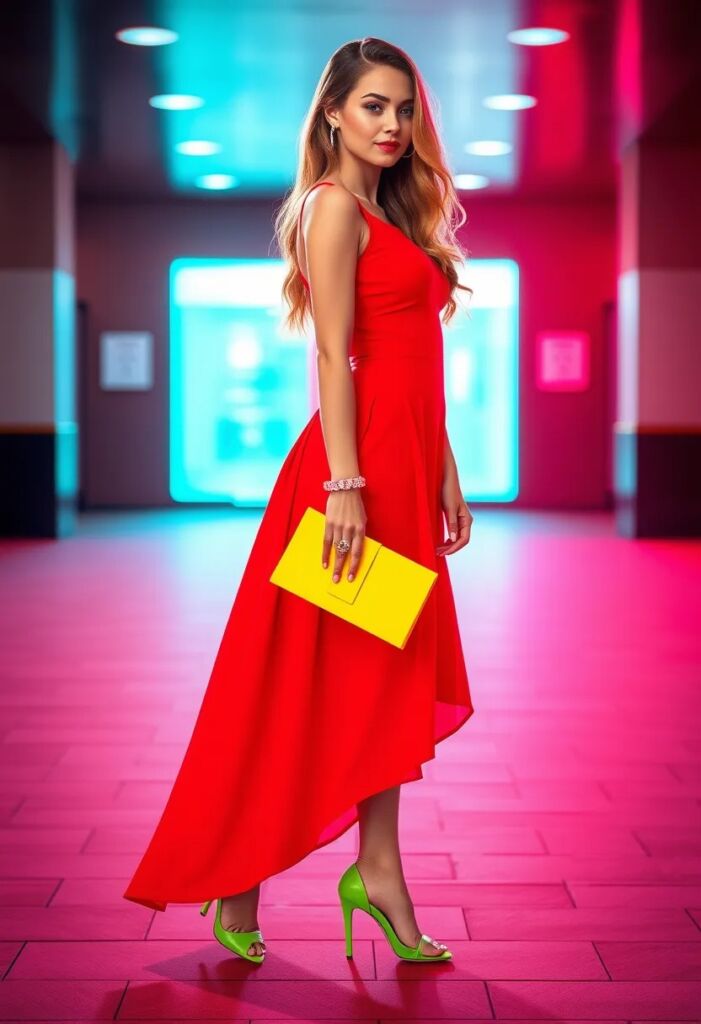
[[417, 194]]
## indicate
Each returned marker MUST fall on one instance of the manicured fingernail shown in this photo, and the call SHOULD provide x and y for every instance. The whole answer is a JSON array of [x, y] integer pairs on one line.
[[325, 565], [453, 536], [350, 575], [335, 579]]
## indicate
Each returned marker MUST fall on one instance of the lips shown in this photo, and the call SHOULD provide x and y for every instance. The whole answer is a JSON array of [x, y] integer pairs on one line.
[[389, 147]]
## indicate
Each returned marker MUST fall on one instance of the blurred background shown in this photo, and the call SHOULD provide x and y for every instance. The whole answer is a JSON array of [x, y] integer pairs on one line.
[[148, 397], [144, 148]]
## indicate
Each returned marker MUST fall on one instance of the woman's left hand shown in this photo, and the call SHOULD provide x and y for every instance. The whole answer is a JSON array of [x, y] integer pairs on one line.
[[457, 514]]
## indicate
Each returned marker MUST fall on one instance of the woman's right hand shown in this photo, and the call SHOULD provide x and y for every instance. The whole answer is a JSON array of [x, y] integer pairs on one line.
[[345, 518]]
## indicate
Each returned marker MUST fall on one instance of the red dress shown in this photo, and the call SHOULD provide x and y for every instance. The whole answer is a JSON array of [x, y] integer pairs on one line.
[[305, 714]]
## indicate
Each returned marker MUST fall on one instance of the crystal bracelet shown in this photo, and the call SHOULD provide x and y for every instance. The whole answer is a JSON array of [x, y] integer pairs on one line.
[[346, 484]]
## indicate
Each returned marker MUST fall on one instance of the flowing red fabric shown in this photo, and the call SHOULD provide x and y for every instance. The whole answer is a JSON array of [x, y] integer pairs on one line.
[[305, 714]]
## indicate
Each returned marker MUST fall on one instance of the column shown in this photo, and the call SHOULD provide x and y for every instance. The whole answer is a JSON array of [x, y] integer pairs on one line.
[[38, 417], [658, 430]]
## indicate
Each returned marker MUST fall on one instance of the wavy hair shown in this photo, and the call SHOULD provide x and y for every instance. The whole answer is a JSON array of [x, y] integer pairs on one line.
[[417, 194]]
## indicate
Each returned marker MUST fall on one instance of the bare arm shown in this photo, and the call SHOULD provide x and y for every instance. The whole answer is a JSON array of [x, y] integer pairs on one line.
[[331, 229], [331, 232], [455, 509]]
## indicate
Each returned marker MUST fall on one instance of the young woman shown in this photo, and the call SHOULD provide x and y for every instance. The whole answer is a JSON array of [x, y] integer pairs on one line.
[[308, 723]]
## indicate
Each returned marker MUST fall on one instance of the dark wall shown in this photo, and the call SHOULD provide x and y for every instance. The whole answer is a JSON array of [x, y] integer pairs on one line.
[[566, 254]]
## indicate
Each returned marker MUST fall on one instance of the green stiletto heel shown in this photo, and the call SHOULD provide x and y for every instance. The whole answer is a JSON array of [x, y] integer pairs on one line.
[[236, 942], [353, 896]]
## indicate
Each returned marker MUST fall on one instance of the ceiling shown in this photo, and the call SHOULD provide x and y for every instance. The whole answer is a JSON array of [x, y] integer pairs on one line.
[[629, 66]]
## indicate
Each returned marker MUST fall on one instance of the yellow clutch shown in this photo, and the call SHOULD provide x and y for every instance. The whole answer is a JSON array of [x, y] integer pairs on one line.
[[386, 596]]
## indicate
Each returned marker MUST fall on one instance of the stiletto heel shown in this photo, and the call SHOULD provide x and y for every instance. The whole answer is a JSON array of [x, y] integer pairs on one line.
[[236, 942], [353, 896], [348, 909]]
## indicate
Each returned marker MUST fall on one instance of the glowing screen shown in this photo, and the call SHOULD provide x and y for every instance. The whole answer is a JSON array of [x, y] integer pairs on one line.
[[241, 387], [481, 381], [239, 391]]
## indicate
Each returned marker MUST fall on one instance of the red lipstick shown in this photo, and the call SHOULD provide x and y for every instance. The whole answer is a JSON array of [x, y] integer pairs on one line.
[[389, 147]]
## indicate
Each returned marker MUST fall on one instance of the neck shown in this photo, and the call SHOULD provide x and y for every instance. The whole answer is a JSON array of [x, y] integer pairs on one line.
[[363, 180]]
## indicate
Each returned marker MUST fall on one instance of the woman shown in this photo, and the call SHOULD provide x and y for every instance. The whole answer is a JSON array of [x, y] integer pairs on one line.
[[308, 723]]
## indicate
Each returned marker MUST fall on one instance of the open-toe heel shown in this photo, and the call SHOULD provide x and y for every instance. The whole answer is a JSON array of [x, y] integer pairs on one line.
[[236, 942], [353, 896]]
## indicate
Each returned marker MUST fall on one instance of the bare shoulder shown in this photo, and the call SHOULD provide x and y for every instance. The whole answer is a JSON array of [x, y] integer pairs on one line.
[[333, 208]]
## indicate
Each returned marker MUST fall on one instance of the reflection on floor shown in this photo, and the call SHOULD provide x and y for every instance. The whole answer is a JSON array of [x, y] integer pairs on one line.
[[554, 842]]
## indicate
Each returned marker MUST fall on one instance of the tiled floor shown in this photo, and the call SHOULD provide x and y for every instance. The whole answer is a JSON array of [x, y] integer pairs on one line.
[[555, 842]]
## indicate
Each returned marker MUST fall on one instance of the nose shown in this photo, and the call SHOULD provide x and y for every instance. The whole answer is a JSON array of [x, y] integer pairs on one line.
[[392, 126]]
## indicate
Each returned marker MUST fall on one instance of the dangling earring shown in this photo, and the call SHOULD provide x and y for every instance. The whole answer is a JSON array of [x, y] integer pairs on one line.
[[405, 156], [331, 135]]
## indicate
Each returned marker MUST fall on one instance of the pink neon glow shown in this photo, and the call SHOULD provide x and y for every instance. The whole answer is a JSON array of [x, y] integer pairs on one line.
[[563, 360]]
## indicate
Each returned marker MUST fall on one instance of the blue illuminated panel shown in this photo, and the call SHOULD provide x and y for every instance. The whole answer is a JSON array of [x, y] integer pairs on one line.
[[240, 385], [481, 382], [239, 392]]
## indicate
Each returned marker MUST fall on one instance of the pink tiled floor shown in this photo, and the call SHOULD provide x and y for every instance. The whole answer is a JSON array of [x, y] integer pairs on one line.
[[555, 842]]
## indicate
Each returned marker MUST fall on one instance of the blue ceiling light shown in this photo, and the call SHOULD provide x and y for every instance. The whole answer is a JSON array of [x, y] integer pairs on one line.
[[216, 181], [537, 36], [176, 101], [488, 147], [509, 101], [146, 35], [470, 181], [198, 147]]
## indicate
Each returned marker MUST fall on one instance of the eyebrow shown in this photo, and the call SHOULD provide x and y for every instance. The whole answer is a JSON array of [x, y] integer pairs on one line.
[[385, 98]]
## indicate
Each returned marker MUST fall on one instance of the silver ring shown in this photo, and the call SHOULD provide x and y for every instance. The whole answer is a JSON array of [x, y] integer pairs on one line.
[[343, 545]]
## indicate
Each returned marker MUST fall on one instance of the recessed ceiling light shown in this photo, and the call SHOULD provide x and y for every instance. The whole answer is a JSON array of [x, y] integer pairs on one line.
[[198, 147], [146, 35], [216, 181], [509, 101], [470, 181], [176, 101], [537, 36], [488, 147]]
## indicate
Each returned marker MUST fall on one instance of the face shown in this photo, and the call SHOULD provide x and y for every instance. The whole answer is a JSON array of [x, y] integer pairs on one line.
[[379, 110]]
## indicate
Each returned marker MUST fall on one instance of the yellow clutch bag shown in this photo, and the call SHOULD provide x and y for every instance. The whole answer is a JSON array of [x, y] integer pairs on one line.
[[385, 597]]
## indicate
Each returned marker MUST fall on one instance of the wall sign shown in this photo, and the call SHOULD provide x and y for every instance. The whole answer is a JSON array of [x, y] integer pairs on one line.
[[126, 360], [563, 360]]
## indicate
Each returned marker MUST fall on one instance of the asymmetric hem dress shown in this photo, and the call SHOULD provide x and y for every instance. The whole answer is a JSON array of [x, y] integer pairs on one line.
[[306, 714]]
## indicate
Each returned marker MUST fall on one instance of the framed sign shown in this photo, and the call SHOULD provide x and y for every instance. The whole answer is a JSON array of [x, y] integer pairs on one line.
[[126, 360], [563, 360]]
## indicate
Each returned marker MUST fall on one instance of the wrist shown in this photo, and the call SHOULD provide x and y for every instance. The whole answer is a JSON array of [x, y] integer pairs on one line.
[[344, 483]]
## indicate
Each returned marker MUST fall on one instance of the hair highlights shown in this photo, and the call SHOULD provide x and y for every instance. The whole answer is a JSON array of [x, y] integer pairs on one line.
[[417, 194]]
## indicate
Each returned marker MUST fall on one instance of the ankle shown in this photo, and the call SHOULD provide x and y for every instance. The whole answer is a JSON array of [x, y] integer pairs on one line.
[[380, 864]]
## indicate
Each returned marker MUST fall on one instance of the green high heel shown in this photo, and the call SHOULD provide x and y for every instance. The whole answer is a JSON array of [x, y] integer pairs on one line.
[[237, 942], [353, 896]]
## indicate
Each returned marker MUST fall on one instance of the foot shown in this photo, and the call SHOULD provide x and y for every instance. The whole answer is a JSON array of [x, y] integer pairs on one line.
[[239, 913], [387, 890]]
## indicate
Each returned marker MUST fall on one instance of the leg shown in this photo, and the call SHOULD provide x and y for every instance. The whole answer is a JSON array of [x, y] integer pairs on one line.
[[239, 913], [380, 866]]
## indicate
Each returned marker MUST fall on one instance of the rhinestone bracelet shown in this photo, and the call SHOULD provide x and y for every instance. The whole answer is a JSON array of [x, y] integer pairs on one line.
[[346, 484]]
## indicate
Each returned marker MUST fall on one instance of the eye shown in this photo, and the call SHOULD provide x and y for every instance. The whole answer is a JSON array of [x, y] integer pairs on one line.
[[369, 106]]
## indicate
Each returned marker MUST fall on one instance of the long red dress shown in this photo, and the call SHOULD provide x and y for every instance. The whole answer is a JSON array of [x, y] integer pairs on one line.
[[305, 714]]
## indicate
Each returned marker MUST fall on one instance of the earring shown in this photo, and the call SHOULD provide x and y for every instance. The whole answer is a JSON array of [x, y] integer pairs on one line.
[[331, 135], [405, 156]]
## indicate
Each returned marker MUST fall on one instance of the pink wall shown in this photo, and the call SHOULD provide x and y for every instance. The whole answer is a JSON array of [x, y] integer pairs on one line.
[[566, 254]]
